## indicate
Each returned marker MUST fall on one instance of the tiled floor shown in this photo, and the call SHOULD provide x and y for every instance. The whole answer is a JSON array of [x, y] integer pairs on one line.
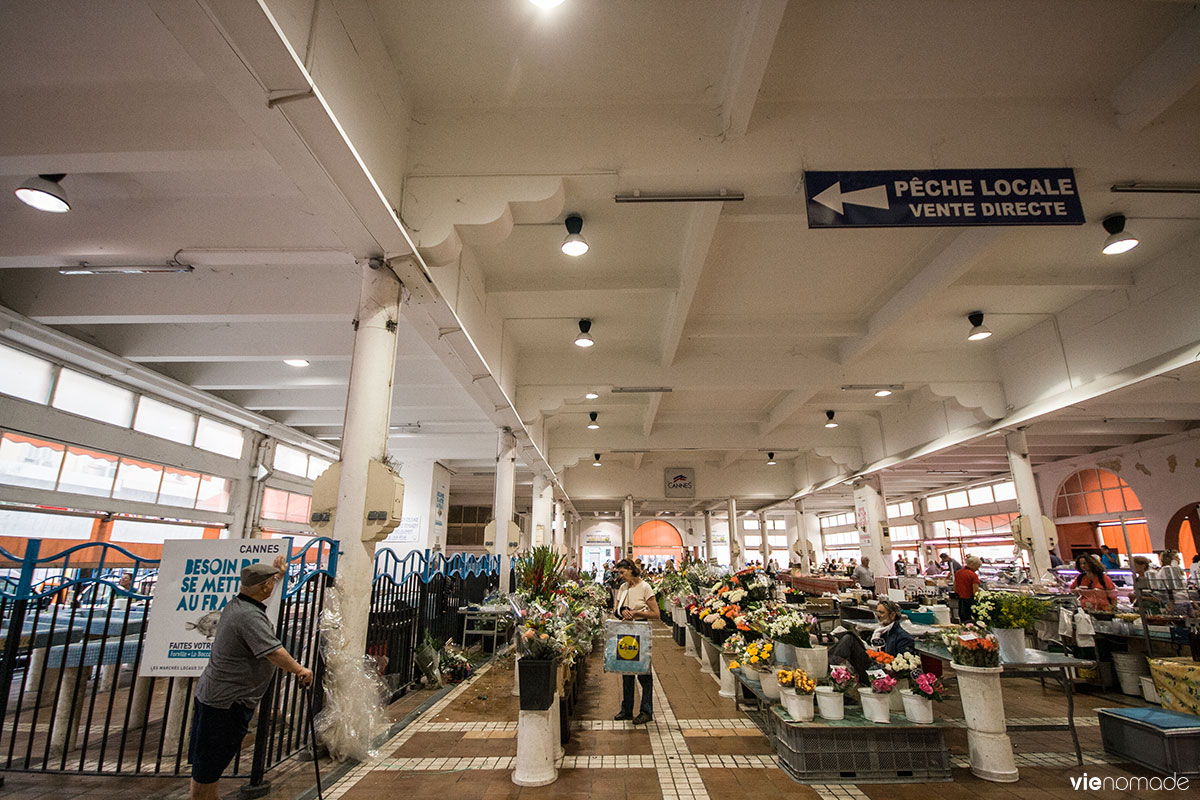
[[698, 746]]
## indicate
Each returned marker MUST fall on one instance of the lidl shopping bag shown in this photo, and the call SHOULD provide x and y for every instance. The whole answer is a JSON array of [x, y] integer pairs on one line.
[[626, 647]]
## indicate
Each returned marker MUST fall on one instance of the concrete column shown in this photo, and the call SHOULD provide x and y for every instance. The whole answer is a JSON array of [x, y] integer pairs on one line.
[[766, 541], [502, 503], [560, 528], [869, 508], [1028, 503], [364, 439], [797, 547], [925, 531], [708, 553], [627, 527], [543, 505], [738, 560]]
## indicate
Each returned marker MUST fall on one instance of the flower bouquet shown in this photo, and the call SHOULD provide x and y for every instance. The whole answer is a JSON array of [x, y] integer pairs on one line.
[[918, 702], [877, 702], [929, 685], [972, 646], [796, 690], [903, 665], [842, 679], [831, 698]]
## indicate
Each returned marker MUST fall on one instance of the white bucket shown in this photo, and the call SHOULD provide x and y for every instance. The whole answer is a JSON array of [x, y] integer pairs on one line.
[[770, 685], [1149, 691], [813, 660], [799, 706], [941, 615], [917, 707], [1130, 669], [876, 707], [1012, 644], [830, 703]]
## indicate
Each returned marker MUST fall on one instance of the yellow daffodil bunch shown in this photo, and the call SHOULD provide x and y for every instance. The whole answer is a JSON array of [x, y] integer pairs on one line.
[[802, 683], [759, 653], [785, 677]]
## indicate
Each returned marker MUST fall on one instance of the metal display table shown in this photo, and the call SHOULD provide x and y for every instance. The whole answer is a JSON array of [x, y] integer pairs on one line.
[[486, 622], [1035, 664]]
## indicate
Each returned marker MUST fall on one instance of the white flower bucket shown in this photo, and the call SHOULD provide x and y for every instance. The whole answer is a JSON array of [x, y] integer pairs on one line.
[[679, 616], [799, 706], [876, 707], [785, 654], [1012, 644], [830, 703], [813, 660], [770, 685], [917, 707], [896, 704]]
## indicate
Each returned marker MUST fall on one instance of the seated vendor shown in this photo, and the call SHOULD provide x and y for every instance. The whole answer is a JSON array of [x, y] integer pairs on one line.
[[889, 637]]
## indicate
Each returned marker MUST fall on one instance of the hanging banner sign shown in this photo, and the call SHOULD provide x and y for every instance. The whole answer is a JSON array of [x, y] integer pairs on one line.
[[679, 482], [196, 580], [942, 197]]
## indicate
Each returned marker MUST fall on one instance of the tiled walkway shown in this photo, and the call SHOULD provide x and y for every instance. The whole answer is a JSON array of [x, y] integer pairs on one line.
[[699, 746]]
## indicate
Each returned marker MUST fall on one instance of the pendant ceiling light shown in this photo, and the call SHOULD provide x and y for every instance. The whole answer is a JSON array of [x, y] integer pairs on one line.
[[296, 362], [830, 423], [584, 339], [596, 463], [979, 331], [592, 423], [574, 244], [1119, 240], [770, 459], [45, 194], [591, 395]]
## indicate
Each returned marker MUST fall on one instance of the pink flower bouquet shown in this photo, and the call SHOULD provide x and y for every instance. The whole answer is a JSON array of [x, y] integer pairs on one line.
[[929, 685], [884, 684], [842, 679]]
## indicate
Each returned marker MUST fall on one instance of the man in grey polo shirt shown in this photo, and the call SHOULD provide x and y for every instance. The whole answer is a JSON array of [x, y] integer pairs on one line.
[[245, 653]]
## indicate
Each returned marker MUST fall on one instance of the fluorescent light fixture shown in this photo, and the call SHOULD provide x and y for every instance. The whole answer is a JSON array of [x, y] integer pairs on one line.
[[1119, 240], [591, 396], [829, 420], [44, 193], [584, 339], [596, 463], [978, 331], [546, 3], [574, 244], [1135, 420], [640, 389], [85, 268], [638, 196], [880, 389], [296, 362], [592, 423]]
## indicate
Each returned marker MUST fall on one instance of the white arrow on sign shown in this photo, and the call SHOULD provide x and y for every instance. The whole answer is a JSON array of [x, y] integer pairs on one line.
[[833, 197]]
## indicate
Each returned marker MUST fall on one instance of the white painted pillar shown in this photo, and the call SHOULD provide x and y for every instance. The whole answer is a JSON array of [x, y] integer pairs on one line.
[[797, 549], [925, 531], [534, 765], [627, 527], [543, 505], [708, 551], [1028, 503], [736, 544], [560, 528], [869, 507], [766, 541], [364, 438], [808, 528], [502, 503]]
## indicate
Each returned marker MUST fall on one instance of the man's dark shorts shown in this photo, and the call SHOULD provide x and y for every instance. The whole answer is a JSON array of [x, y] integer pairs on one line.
[[217, 735]]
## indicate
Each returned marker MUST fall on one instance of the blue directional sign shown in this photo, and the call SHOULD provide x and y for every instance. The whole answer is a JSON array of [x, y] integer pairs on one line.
[[942, 197]]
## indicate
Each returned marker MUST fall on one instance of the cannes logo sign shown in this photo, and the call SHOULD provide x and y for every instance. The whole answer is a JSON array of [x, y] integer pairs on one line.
[[1128, 783], [679, 482]]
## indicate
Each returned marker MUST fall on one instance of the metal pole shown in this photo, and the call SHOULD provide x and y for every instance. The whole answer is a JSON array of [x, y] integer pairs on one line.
[[1137, 592]]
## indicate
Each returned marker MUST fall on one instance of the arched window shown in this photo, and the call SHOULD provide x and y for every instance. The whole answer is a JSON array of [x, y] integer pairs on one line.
[[1095, 492], [657, 538]]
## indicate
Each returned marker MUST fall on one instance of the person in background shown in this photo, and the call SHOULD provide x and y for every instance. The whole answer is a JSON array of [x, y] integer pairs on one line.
[[949, 564], [934, 568], [1194, 571], [635, 600], [966, 583], [850, 567], [1055, 560], [1109, 558], [901, 566], [863, 575], [1171, 574], [889, 637], [1095, 589]]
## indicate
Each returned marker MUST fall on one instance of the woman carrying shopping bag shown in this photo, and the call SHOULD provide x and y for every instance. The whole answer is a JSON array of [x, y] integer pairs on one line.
[[635, 600]]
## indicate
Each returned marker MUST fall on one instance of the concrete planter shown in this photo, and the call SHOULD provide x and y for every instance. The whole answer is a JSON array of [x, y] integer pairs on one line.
[[990, 750]]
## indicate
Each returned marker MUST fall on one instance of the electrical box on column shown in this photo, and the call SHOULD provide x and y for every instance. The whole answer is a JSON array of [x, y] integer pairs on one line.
[[384, 501]]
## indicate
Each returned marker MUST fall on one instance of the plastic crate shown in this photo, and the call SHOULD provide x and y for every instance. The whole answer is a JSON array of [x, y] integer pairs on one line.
[[857, 751], [1167, 742]]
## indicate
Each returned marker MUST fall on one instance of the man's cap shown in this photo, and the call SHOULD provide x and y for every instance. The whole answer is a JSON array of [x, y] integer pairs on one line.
[[255, 574]]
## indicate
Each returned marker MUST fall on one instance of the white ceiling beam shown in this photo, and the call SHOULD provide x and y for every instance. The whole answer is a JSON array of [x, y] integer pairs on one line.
[[786, 408], [1161, 79], [228, 341], [778, 328], [950, 264], [753, 42], [637, 461], [1090, 281], [702, 226], [651, 414]]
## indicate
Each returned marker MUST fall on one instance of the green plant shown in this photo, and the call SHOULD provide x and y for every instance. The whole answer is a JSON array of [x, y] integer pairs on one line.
[[540, 573], [1009, 609]]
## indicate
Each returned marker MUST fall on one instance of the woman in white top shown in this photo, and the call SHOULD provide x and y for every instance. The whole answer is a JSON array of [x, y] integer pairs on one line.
[[635, 600]]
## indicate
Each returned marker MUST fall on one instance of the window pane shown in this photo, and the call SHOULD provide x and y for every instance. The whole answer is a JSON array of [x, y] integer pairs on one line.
[[214, 494], [291, 460], [25, 376], [316, 466], [1078, 508], [217, 437], [87, 472], [29, 462], [1004, 491], [1109, 480], [93, 398], [179, 488], [956, 500], [1095, 502], [778, 542], [297, 507], [274, 504], [906, 509], [893, 511], [137, 480], [936, 503], [980, 495], [753, 541], [165, 421], [31, 525], [127, 530], [750, 525]]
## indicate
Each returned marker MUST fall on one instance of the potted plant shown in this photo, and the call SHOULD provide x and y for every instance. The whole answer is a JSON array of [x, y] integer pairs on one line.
[[876, 701], [796, 690], [918, 701], [831, 698], [899, 667], [757, 667], [1008, 614], [540, 647], [975, 655], [793, 643]]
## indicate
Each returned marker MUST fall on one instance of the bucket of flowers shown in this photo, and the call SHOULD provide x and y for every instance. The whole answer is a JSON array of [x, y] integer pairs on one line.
[[918, 701], [876, 701], [756, 668], [972, 646], [831, 697], [901, 668], [796, 690]]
